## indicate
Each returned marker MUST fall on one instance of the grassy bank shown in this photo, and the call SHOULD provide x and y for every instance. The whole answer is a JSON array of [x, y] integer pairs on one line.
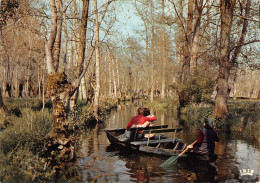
[[22, 134], [20, 141], [243, 117]]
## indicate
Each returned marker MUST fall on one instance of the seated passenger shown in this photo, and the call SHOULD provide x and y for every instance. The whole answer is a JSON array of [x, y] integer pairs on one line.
[[151, 123], [138, 122]]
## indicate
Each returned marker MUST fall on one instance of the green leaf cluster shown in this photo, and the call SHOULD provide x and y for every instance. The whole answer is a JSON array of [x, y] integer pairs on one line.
[[197, 88]]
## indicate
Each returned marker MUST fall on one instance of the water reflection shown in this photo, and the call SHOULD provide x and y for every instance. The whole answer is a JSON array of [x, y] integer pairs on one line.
[[101, 162]]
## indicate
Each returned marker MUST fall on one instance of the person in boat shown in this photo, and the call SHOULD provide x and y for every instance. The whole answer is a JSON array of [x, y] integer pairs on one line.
[[152, 136], [151, 123], [138, 121], [207, 137]]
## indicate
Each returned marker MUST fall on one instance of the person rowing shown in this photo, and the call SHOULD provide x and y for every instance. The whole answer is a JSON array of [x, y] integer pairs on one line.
[[207, 137]]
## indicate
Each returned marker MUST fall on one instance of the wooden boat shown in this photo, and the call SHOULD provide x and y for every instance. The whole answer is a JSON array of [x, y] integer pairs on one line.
[[163, 147]]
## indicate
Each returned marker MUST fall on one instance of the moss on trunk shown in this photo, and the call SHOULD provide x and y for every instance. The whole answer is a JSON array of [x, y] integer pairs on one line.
[[61, 142]]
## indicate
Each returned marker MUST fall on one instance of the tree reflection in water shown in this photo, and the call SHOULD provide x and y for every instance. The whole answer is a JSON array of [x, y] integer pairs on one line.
[[145, 168]]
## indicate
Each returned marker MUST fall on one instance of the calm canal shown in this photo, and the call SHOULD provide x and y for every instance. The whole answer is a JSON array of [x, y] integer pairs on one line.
[[238, 160]]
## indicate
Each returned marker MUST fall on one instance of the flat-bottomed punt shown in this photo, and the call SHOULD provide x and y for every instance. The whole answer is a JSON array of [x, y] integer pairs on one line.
[[164, 147]]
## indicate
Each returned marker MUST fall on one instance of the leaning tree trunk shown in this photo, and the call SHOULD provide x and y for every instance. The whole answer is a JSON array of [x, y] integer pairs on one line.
[[226, 10], [81, 48]]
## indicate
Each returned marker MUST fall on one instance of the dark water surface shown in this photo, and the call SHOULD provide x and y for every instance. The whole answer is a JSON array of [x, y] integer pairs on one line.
[[239, 160]]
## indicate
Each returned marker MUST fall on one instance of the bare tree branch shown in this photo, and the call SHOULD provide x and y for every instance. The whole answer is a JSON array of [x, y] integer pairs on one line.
[[250, 42]]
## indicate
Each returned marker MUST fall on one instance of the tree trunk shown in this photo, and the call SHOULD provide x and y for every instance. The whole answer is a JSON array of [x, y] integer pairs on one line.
[[4, 82], [114, 77], [81, 48], [187, 43], [117, 73], [50, 43], [164, 53], [43, 89], [152, 52], [28, 70], [59, 90], [109, 76], [226, 10], [57, 43], [84, 88], [39, 82], [97, 46], [97, 72], [16, 81], [195, 40], [61, 137], [3, 108]]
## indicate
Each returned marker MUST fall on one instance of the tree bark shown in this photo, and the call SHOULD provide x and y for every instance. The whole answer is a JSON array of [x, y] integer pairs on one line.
[[114, 77], [83, 88], [81, 48], [117, 73], [109, 76], [187, 43], [97, 66], [152, 51], [59, 90], [57, 43], [195, 40], [164, 52], [3, 108], [226, 10], [50, 43], [97, 71]]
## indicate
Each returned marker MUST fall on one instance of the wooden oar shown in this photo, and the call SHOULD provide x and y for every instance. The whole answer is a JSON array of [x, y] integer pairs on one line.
[[173, 159]]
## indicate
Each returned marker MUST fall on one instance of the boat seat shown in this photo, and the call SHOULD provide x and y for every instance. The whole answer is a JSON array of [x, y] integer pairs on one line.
[[154, 141]]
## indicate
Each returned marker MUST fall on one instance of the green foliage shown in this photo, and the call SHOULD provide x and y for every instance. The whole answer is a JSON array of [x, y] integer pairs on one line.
[[195, 115], [25, 130], [197, 88], [243, 118], [23, 165], [82, 116], [21, 142], [160, 104]]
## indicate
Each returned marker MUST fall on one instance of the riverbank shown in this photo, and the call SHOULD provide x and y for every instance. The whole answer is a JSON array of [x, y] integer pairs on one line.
[[22, 138], [242, 119]]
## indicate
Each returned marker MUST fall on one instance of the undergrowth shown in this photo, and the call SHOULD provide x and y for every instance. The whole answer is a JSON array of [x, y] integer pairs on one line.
[[21, 144], [22, 139]]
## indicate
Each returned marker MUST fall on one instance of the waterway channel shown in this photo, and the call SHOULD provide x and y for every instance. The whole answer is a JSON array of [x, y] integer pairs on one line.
[[238, 159]]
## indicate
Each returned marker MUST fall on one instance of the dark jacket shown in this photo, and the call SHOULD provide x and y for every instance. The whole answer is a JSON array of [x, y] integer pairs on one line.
[[206, 141]]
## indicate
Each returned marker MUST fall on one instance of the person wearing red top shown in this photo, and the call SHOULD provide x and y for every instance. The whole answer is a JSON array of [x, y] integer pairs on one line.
[[139, 121]]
